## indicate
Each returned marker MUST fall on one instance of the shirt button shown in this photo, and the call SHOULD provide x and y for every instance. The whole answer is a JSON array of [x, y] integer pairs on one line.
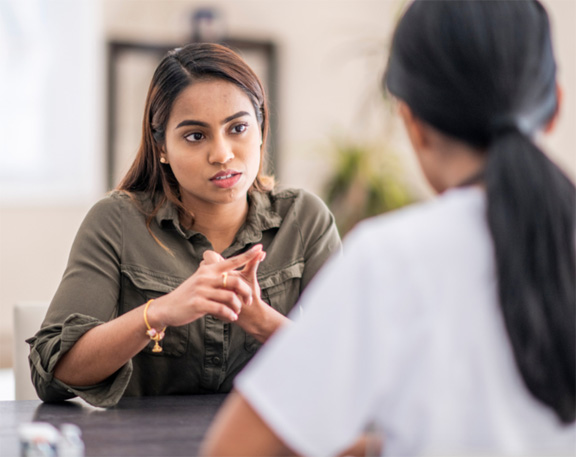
[[216, 360]]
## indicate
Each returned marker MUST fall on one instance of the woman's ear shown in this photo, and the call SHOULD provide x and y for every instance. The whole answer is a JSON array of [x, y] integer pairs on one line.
[[163, 155], [549, 127], [414, 127]]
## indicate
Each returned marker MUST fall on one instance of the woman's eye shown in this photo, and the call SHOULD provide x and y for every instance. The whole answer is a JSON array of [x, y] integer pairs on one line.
[[239, 128], [196, 136]]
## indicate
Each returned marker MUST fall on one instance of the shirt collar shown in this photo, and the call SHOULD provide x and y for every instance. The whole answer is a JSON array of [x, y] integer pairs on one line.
[[261, 216]]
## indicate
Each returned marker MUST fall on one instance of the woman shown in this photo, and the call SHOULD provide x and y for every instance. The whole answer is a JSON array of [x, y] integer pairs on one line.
[[449, 326], [176, 279]]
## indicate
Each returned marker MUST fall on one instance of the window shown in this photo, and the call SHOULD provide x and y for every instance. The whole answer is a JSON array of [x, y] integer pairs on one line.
[[50, 101]]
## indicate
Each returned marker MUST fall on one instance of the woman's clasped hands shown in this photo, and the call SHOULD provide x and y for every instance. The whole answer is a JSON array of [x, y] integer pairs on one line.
[[224, 288], [255, 315]]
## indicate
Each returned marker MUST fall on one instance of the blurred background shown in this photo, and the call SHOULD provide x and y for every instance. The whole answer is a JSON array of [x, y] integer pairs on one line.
[[74, 76]]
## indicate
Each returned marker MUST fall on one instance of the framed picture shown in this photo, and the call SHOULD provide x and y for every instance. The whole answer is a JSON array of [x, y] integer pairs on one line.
[[130, 69]]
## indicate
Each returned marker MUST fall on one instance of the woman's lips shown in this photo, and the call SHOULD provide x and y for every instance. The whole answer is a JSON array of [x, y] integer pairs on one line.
[[226, 179]]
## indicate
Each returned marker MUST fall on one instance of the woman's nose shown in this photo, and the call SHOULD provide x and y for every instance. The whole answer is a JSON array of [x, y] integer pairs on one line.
[[220, 151]]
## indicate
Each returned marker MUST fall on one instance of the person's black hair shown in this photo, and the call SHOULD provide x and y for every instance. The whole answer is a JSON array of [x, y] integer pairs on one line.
[[484, 72]]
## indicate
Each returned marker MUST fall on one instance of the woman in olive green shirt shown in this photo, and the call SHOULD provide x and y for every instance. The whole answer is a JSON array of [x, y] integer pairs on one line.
[[177, 277]]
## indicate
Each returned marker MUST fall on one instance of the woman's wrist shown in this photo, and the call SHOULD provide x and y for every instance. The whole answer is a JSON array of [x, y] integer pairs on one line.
[[153, 315], [269, 321], [155, 334]]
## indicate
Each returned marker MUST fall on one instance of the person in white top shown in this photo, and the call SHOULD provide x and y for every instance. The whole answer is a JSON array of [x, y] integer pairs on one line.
[[448, 327]]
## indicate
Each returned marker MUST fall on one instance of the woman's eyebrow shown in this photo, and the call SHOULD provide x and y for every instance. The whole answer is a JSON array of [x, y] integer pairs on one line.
[[234, 116], [189, 122]]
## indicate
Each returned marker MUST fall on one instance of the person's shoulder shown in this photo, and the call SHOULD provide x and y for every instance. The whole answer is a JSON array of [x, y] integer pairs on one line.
[[111, 202], [296, 198], [457, 211], [118, 204]]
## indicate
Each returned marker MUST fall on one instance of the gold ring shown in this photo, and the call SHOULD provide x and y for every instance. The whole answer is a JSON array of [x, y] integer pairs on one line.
[[224, 278]]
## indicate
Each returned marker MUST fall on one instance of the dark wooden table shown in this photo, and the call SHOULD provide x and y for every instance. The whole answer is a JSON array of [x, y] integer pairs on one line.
[[138, 426]]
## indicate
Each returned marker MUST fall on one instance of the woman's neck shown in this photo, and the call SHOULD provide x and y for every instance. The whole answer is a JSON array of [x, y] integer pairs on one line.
[[464, 168], [451, 163]]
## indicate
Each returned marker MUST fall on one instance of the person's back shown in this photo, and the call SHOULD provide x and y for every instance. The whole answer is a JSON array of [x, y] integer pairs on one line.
[[450, 325], [433, 332]]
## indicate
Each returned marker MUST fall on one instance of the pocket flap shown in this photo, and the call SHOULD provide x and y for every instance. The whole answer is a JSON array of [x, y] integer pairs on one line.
[[278, 277], [145, 279]]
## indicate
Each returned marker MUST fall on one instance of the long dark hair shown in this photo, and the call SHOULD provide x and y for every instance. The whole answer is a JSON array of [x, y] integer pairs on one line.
[[179, 69], [485, 73]]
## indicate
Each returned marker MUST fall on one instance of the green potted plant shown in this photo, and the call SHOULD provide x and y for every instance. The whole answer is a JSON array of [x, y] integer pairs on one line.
[[367, 180]]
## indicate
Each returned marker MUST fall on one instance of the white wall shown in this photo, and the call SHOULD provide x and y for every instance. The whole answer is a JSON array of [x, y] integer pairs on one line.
[[330, 62]]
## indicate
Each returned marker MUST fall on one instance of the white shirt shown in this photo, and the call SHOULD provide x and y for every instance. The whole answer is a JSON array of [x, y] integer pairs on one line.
[[405, 330]]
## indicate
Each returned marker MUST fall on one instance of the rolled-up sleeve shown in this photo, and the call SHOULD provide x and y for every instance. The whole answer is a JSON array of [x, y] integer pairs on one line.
[[86, 297], [48, 346]]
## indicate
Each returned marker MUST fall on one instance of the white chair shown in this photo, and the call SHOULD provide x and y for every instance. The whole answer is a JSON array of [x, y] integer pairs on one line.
[[28, 318]]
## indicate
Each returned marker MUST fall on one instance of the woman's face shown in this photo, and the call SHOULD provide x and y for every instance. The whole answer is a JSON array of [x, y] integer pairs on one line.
[[212, 144]]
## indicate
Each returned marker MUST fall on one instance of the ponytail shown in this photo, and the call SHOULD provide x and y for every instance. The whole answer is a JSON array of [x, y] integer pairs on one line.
[[531, 214], [485, 74]]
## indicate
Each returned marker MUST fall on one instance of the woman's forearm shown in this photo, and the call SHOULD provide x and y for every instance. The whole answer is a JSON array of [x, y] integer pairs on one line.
[[266, 327], [103, 350]]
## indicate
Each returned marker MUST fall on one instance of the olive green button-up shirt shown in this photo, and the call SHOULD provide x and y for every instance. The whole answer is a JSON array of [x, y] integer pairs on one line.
[[115, 265]]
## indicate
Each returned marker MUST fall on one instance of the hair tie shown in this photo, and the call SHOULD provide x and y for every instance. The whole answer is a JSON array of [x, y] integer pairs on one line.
[[504, 124]]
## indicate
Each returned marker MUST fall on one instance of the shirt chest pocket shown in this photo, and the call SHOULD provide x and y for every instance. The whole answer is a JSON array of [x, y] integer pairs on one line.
[[139, 286], [281, 290]]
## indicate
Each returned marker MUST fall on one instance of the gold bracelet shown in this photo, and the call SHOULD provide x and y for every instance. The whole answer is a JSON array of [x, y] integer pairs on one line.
[[154, 334]]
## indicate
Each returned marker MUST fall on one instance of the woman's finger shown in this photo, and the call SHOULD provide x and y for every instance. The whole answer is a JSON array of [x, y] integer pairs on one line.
[[211, 257], [227, 298], [250, 270], [238, 286], [218, 310], [238, 261]]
